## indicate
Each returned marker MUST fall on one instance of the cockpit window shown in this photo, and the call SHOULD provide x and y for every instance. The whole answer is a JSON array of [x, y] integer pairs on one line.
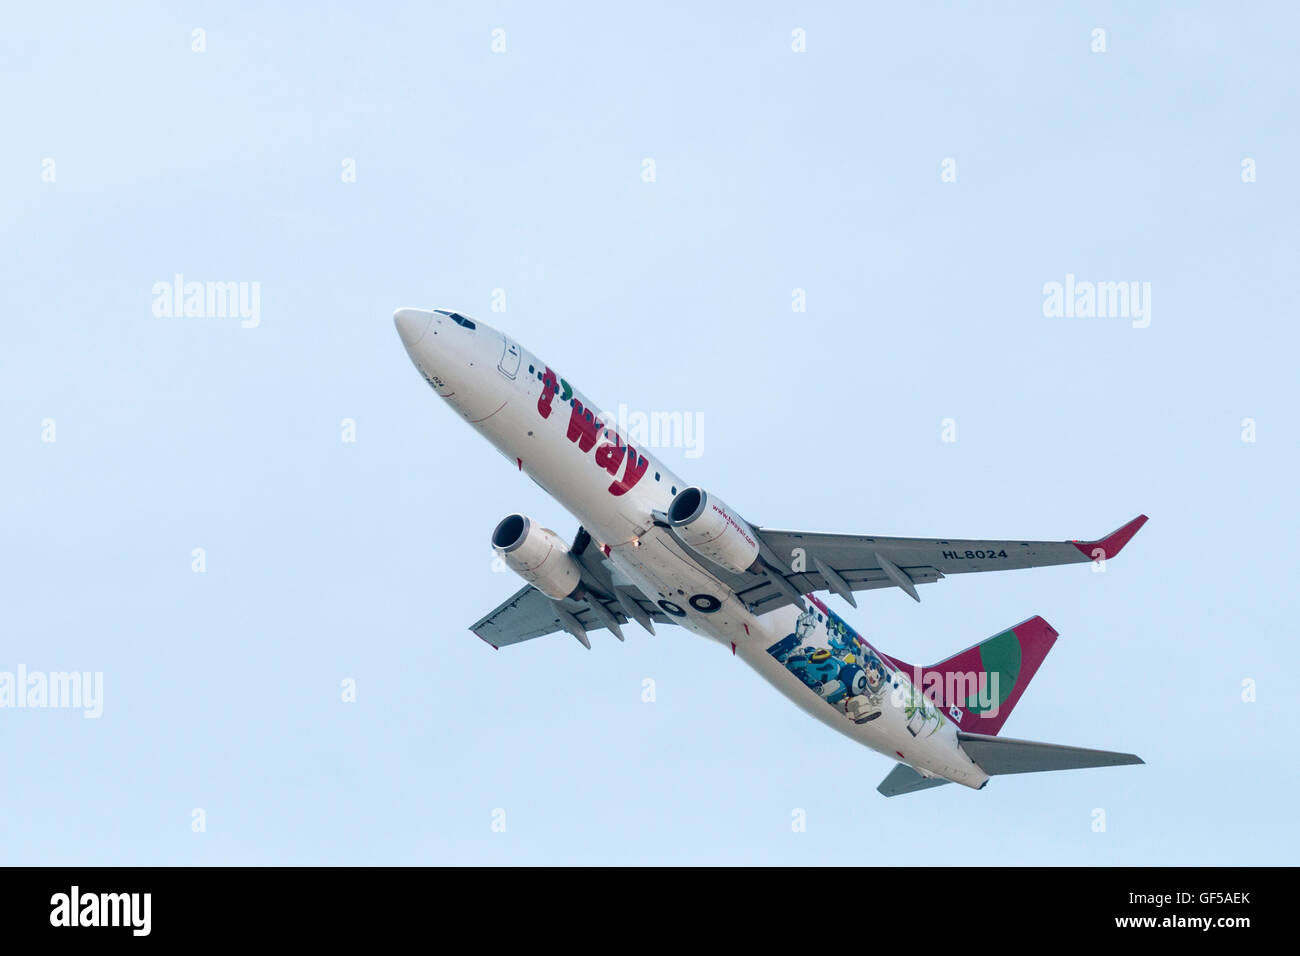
[[458, 319]]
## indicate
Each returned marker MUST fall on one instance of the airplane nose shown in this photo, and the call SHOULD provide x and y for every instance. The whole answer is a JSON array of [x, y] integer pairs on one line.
[[411, 325]]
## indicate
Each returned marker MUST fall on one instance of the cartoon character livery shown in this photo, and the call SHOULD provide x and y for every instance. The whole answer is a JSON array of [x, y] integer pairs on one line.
[[654, 550], [835, 663]]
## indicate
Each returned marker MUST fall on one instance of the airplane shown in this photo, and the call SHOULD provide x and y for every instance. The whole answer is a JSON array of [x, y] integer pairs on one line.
[[653, 549]]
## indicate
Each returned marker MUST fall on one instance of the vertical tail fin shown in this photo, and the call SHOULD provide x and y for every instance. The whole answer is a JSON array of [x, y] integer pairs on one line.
[[978, 687]]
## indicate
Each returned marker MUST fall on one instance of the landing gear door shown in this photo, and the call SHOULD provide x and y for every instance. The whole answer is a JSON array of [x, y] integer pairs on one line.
[[509, 366]]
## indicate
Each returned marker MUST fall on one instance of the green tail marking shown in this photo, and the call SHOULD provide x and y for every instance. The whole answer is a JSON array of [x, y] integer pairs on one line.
[[1000, 655]]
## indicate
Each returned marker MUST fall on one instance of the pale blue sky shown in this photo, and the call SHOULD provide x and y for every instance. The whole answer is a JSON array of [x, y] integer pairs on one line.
[[522, 171]]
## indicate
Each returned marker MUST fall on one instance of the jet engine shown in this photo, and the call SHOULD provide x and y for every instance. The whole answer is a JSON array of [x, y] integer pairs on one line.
[[538, 555], [713, 530]]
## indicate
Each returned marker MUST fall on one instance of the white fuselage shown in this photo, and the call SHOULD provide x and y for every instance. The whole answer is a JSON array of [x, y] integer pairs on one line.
[[540, 423]]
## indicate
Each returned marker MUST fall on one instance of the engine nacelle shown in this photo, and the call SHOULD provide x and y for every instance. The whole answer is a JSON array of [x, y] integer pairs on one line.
[[538, 555], [713, 530]]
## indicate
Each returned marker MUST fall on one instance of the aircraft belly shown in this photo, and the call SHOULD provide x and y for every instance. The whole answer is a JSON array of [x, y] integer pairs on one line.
[[680, 588]]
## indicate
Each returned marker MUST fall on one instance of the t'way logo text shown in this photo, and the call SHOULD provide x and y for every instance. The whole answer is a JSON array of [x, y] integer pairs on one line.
[[585, 429]]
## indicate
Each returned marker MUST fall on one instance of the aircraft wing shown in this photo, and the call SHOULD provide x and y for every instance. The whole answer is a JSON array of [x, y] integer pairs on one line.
[[797, 562], [524, 615], [529, 613], [844, 563]]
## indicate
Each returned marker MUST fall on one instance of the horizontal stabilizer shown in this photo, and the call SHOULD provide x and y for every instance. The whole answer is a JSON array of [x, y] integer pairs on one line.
[[903, 779], [1002, 755]]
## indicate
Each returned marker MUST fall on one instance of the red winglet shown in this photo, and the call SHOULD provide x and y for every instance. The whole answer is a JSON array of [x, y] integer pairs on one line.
[[1111, 545], [485, 640]]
